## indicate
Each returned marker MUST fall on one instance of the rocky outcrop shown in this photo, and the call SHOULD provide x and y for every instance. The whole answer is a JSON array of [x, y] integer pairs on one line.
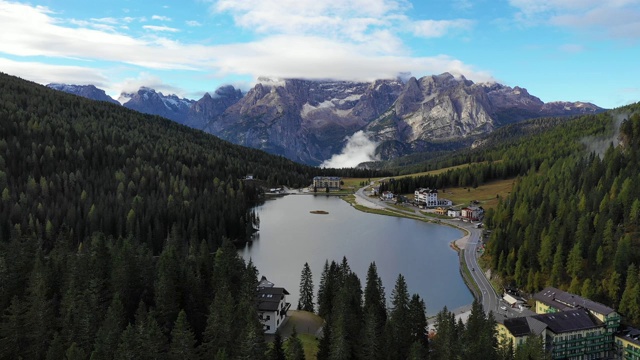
[[209, 107], [86, 91], [303, 120], [443, 108], [149, 101]]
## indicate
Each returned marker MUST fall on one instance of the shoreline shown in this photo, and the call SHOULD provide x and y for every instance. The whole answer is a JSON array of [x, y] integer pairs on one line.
[[458, 245]]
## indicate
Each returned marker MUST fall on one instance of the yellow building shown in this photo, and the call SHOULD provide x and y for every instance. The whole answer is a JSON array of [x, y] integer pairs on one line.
[[441, 210], [628, 344], [573, 334], [552, 300], [516, 330]]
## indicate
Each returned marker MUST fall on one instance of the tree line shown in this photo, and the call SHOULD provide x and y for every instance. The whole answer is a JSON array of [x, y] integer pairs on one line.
[[360, 324]]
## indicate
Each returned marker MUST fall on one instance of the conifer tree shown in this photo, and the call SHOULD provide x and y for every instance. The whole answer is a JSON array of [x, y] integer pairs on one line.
[[375, 316], [182, 340], [418, 323], [252, 345], [306, 289], [276, 350], [218, 334], [167, 286], [294, 350], [75, 352], [40, 317], [399, 340], [108, 335], [13, 331]]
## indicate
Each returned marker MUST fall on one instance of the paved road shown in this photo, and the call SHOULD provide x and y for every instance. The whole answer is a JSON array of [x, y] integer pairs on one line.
[[490, 300]]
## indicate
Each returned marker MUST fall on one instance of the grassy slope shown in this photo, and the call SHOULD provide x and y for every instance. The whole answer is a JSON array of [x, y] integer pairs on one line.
[[486, 194]]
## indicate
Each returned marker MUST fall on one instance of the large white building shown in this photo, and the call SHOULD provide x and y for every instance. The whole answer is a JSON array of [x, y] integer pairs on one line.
[[327, 182], [427, 197], [272, 305]]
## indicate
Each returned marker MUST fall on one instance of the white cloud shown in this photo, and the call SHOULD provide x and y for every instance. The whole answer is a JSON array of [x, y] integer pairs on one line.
[[160, 28], [106, 20], [46, 73], [193, 23], [160, 18], [362, 55], [438, 28], [318, 58], [354, 20], [613, 18], [358, 149], [145, 79]]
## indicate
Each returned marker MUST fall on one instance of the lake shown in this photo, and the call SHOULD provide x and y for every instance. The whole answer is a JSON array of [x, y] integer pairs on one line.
[[290, 235]]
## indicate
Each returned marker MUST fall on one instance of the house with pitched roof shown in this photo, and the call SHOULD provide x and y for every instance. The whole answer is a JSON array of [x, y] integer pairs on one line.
[[272, 305]]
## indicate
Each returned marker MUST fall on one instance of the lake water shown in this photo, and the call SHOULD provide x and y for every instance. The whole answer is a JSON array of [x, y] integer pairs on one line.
[[290, 235]]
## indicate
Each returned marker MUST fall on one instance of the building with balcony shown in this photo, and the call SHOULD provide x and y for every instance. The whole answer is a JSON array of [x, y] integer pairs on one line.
[[573, 334], [628, 344], [272, 305], [327, 182], [427, 197]]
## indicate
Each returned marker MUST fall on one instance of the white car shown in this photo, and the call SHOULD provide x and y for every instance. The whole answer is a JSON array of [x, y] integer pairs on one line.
[[503, 308]]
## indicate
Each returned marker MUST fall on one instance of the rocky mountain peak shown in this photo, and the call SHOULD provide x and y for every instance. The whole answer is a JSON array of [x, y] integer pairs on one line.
[[311, 120], [86, 91]]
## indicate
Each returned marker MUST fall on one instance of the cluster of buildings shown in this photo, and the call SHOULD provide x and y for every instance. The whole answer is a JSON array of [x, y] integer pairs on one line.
[[425, 197], [573, 327], [428, 198]]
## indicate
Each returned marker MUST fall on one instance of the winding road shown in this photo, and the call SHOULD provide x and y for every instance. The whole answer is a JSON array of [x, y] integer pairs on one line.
[[489, 299]]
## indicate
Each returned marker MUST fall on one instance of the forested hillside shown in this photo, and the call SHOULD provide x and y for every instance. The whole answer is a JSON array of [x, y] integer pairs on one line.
[[109, 222], [572, 218], [509, 152], [572, 221]]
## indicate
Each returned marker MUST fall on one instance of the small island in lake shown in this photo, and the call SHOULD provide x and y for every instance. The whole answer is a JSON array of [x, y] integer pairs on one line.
[[321, 212]]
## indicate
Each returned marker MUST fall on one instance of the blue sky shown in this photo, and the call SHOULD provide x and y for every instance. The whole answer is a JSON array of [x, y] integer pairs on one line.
[[574, 50]]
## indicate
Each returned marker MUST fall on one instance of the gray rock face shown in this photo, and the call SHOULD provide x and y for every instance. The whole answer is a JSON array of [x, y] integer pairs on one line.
[[209, 107], [435, 108], [309, 121], [148, 101], [86, 91], [303, 120], [441, 108]]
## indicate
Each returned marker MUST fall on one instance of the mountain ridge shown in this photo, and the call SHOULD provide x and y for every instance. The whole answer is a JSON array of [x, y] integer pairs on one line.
[[310, 121]]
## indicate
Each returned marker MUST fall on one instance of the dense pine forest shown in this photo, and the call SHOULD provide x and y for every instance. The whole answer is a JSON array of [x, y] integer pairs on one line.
[[118, 232], [118, 235], [572, 221], [572, 218]]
